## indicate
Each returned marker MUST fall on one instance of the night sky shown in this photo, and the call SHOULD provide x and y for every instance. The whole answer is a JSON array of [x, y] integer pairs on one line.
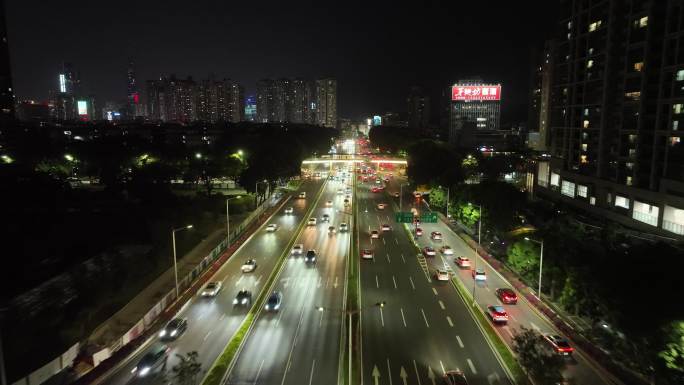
[[376, 51]]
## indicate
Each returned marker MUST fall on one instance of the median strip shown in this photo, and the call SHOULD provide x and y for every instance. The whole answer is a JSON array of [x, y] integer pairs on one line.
[[226, 360]]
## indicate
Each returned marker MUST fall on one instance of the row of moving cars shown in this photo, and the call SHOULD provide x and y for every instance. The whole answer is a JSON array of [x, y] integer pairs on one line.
[[155, 359], [497, 313]]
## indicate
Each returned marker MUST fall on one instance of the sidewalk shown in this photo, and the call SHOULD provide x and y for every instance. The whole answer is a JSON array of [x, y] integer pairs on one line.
[[560, 319]]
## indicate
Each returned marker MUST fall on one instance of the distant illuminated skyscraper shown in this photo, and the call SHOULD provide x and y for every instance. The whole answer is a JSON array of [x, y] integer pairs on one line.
[[251, 108], [326, 102], [133, 96]]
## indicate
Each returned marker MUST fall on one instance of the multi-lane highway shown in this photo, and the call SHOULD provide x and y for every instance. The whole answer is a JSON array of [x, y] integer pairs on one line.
[[579, 369], [300, 344], [424, 328], [212, 321]]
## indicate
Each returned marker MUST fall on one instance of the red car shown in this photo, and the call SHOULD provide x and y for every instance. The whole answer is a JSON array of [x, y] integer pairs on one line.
[[507, 296], [375, 189], [497, 314]]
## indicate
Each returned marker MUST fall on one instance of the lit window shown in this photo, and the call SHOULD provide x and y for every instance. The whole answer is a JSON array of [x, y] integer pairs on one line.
[[555, 179], [582, 191], [632, 138], [674, 140], [584, 159], [632, 152], [569, 24], [585, 124], [569, 36], [643, 21], [591, 51], [568, 188], [592, 201], [629, 165], [680, 75], [675, 125], [586, 112], [621, 201], [638, 66], [634, 95], [678, 108], [628, 181], [594, 26], [590, 63], [584, 147]]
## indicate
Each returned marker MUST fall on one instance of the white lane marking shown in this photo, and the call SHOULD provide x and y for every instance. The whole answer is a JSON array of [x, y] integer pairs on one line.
[[402, 316], [388, 259], [319, 281], [472, 367], [258, 280], [369, 228], [256, 379], [389, 371], [222, 316], [377, 283], [513, 318], [424, 318], [434, 290], [382, 318], [460, 343], [535, 327], [335, 285], [207, 336], [395, 240], [487, 288], [395, 282], [450, 322], [327, 282], [320, 321], [383, 240], [387, 218], [239, 280], [441, 304], [442, 365], [289, 357], [415, 366], [377, 216], [412, 285], [508, 331], [402, 258], [312, 370]]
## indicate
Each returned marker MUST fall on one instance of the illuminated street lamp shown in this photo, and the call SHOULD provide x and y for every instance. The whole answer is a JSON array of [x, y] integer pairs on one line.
[[541, 262], [198, 155], [175, 263], [69, 157]]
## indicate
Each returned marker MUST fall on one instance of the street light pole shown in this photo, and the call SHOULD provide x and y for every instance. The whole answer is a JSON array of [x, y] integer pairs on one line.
[[541, 263], [175, 261], [228, 218], [447, 204]]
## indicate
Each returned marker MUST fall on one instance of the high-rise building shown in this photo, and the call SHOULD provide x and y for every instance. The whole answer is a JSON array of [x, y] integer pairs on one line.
[[265, 101], [250, 108], [326, 102], [474, 101], [310, 100], [540, 95], [418, 108], [152, 99], [617, 99], [281, 100], [133, 106], [235, 101], [6, 90], [171, 99], [296, 111]]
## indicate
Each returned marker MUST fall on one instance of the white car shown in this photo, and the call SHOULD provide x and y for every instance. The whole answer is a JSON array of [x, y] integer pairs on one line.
[[340, 192], [212, 289], [311, 222], [298, 249], [272, 227], [381, 206], [328, 203], [442, 275], [462, 262], [386, 227], [344, 227], [249, 265], [374, 234], [436, 236], [447, 250], [366, 254], [479, 275], [302, 195], [289, 210]]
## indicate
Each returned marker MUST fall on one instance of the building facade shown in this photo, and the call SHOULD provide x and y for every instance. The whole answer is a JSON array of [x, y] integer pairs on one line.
[[540, 96], [474, 101], [617, 98], [6, 90], [326, 102], [418, 108], [251, 108]]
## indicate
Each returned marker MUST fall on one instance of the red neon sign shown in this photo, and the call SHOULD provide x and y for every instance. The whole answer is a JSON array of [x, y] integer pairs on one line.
[[476, 92]]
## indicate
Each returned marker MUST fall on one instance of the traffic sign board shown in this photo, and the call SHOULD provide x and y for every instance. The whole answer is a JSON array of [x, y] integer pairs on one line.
[[404, 217], [430, 217]]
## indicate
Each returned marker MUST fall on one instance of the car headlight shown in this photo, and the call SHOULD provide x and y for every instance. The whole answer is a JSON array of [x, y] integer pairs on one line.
[[235, 301], [268, 307], [173, 333], [276, 307], [144, 371], [162, 333], [244, 301]]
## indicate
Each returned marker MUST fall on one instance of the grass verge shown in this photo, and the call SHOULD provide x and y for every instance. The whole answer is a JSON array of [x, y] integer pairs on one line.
[[224, 361]]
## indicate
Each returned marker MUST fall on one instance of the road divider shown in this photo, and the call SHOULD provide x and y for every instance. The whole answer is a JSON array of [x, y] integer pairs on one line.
[[226, 360]]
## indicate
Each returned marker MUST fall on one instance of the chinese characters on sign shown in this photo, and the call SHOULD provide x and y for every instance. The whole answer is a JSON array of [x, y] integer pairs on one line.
[[476, 92]]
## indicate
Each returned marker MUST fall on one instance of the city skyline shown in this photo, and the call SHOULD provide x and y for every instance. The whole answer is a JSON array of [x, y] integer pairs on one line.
[[351, 43]]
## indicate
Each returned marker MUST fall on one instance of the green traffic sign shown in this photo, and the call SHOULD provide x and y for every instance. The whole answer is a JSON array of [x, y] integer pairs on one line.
[[404, 217]]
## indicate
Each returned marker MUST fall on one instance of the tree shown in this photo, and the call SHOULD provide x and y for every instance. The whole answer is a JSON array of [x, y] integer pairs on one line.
[[672, 354], [437, 197], [538, 360], [187, 369], [523, 256]]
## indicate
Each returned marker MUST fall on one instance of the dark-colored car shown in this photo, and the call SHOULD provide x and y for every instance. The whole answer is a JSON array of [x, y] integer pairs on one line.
[[173, 329], [243, 298], [507, 296], [310, 256], [153, 362], [274, 301], [559, 344], [455, 377]]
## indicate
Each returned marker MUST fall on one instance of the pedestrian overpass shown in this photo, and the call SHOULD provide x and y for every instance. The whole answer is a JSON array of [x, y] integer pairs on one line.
[[353, 158]]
